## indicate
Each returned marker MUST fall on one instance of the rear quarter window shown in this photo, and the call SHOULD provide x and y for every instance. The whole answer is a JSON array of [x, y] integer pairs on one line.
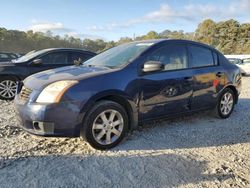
[[201, 56]]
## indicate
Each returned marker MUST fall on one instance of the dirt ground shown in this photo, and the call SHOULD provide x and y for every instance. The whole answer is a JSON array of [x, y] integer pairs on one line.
[[191, 151]]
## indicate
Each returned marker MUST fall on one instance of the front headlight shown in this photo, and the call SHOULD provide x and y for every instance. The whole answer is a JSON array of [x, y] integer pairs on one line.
[[53, 92]]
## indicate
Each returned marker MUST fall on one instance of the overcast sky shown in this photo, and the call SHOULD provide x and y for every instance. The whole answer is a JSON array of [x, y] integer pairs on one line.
[[112, 19]]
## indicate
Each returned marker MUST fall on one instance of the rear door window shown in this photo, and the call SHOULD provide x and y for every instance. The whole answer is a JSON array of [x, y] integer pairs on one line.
[[4, 56], [200, 56]]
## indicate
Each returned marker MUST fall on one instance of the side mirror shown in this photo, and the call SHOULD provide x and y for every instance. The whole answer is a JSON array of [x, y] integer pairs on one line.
[[151, 66], [36, 62]]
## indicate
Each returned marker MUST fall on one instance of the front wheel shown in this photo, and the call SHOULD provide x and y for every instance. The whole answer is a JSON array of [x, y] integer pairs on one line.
[[105, 125], [225, 104]]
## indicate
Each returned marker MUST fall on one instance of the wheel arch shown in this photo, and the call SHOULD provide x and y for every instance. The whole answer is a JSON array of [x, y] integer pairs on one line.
[[11, 75], [233, 88], [120, 98]]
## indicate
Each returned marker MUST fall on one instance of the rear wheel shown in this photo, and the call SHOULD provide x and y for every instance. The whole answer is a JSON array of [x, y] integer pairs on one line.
[[105, 125], [225, 104], [8, 86]]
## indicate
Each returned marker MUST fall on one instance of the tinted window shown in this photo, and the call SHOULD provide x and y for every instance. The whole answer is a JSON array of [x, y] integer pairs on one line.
[[200, 56], [80, 57], [4, 56], [173, 56], [55, 58]]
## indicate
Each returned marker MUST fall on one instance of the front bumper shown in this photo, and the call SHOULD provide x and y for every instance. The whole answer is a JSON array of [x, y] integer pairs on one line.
[[60, 119]]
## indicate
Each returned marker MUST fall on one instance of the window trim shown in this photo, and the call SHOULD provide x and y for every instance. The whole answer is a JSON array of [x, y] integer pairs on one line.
[[217, 58]]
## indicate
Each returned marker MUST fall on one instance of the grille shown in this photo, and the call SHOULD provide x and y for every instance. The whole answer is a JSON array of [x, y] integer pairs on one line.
[[25, 93]]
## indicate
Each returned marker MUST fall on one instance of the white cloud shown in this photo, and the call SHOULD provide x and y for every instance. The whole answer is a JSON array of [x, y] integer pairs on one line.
[[83, 36], [190, 12], [245, 5], [164, 14], [59, 28], [48, 26]]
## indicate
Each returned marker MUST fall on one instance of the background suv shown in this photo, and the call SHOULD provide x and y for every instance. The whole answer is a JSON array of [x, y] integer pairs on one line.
[[36, 61]]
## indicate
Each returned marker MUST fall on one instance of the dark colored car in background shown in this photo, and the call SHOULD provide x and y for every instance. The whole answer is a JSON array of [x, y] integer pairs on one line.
[[37, 61], [109, 94], [5, 57]]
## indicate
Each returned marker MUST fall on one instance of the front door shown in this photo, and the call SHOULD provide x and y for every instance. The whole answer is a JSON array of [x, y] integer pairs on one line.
[[168, 91]]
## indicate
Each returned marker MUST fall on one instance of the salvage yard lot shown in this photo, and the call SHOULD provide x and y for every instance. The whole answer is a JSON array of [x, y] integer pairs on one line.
[[192, 151]]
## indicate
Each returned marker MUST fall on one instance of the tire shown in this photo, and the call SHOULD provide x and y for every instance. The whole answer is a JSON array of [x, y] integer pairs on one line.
[[224, 110], [8, 87], [97, 129]]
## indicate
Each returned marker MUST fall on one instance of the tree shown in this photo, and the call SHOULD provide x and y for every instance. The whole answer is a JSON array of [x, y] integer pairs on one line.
[[206, 32], [230, 37]]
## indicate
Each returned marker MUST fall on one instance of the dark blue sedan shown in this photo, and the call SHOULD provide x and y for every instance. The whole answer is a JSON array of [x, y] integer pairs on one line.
[[111, 93]]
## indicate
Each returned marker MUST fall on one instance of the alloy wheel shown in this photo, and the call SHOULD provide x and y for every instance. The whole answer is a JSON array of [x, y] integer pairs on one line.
[[108, 127], [8, 89], [226, 104]]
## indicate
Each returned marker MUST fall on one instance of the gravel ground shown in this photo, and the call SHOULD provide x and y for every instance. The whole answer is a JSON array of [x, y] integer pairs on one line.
[[192, 151]]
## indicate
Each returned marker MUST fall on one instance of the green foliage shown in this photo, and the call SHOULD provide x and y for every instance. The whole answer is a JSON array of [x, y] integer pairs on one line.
[[230, 37]]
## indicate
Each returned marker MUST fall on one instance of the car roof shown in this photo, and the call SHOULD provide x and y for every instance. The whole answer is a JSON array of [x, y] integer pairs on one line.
[[73, 49], [158, 41]]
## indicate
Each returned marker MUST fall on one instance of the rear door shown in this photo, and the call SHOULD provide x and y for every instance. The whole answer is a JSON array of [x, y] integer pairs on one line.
[[51, 60], [168, 91], [209, 76]]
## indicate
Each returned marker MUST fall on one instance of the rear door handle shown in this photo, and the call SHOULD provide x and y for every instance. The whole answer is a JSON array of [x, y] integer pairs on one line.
[[188, 78], [219, 74]]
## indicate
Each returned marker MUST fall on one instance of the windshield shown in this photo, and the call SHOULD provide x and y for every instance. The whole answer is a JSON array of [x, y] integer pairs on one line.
[[118, 56], [29, 56]]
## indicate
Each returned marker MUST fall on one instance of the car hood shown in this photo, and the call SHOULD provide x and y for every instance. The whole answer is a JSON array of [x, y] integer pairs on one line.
[[40, 80]]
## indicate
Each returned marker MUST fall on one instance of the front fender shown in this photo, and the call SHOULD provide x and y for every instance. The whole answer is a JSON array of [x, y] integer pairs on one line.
[[87, 105]]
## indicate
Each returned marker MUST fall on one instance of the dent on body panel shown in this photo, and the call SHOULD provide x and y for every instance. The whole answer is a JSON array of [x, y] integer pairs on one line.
[[158, 95], [206, 84]]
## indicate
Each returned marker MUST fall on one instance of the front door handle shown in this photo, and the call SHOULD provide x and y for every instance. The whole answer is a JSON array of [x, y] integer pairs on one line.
[[219, 74]]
